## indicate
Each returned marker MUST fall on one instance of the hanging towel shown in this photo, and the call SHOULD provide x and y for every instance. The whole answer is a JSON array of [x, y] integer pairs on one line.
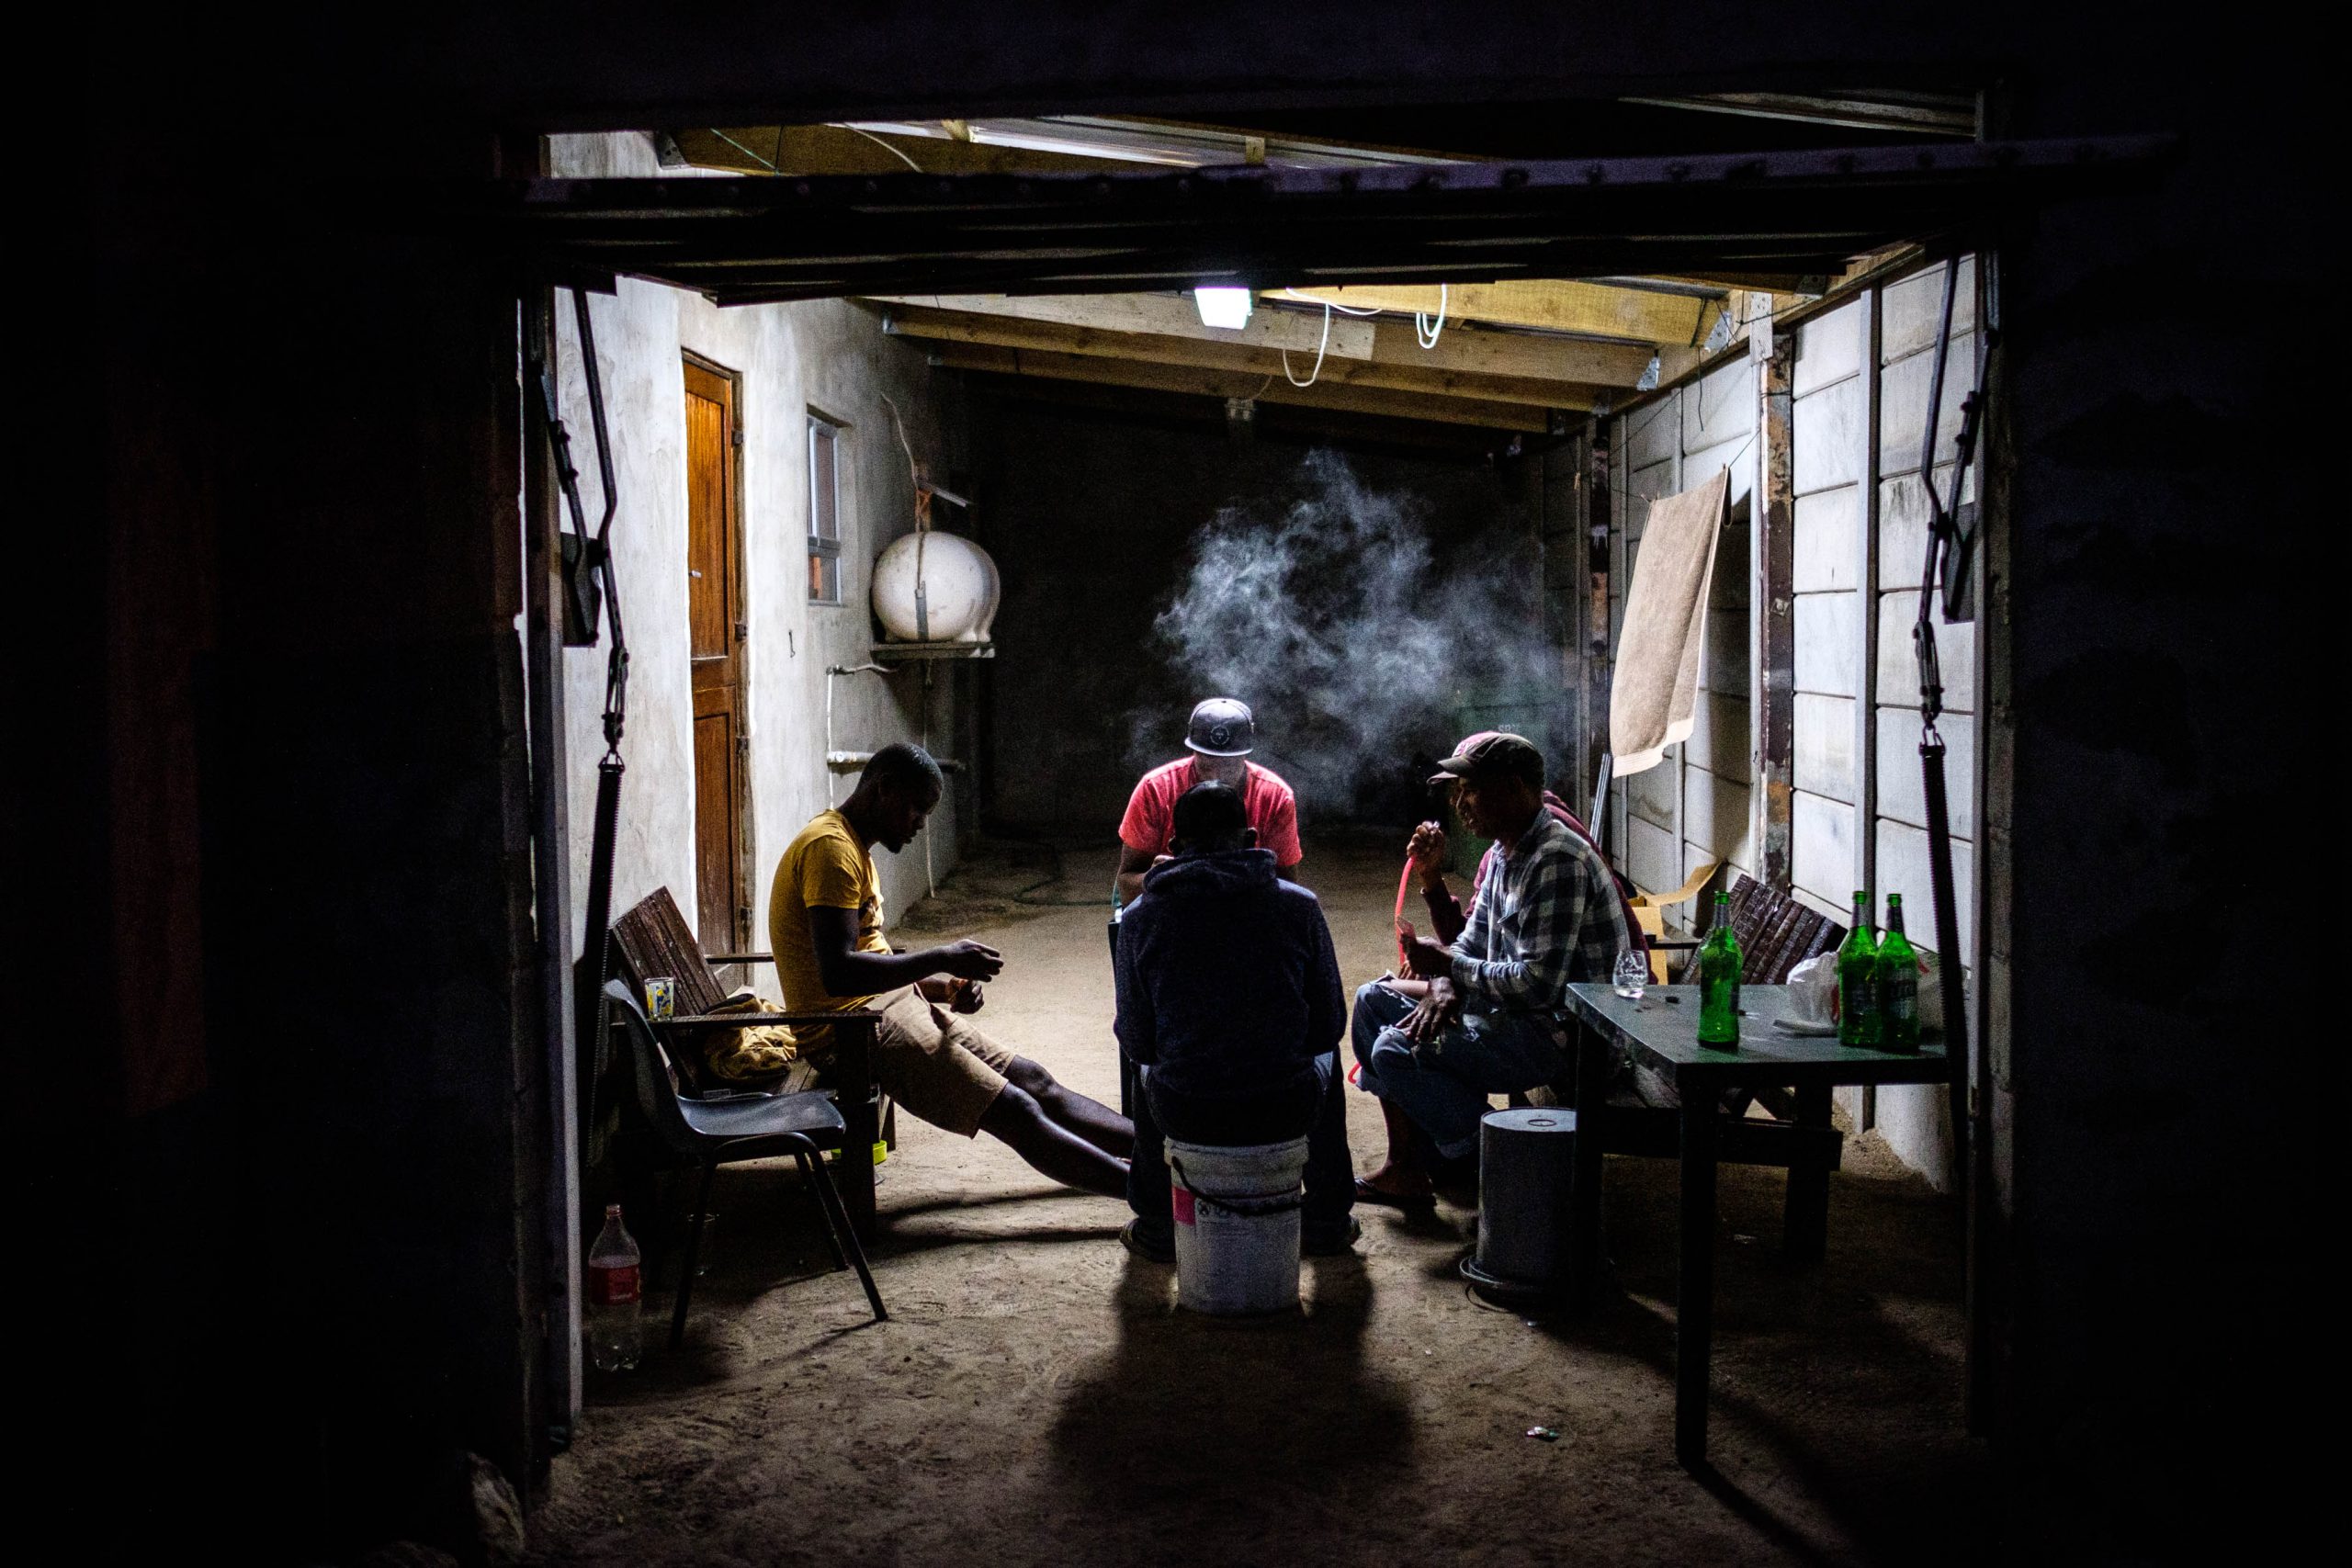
[[1656, 686]]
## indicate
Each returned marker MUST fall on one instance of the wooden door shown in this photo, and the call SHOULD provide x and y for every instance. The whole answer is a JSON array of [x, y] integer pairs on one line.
[[716, 636]]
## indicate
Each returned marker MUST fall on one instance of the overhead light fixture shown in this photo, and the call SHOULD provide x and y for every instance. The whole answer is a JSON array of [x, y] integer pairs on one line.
[[1226, 308]]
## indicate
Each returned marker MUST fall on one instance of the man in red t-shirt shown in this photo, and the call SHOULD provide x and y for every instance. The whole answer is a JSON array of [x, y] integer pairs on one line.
[[1220, 737]]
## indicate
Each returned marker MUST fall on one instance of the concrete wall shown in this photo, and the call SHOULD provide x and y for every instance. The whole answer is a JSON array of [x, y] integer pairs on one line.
[[1091, 517], [1858, 817], [1699, 804], [829, 357]]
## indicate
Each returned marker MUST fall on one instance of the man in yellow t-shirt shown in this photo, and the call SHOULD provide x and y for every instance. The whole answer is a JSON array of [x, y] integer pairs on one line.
[[825, 929]]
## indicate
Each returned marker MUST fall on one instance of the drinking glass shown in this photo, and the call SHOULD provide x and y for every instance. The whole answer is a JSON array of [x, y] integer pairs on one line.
[[1632, 975], [662, 997]]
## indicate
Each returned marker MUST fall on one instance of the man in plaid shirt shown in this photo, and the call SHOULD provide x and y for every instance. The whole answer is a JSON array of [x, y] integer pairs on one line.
[[1484, 1016]]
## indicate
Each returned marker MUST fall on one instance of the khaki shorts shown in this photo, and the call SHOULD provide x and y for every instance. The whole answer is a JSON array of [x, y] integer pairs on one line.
[[934, 1062]]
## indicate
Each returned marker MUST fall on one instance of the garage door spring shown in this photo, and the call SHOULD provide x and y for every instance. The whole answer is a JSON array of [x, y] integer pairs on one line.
[[1947, 563], [589, 578]]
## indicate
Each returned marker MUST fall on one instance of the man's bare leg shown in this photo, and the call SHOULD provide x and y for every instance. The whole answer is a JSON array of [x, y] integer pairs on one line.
[[1400, 1174], [1016, 1117], [1072, 1111]]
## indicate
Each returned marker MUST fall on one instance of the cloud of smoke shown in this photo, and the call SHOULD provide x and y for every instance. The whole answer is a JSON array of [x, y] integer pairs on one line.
[[1330, 614]]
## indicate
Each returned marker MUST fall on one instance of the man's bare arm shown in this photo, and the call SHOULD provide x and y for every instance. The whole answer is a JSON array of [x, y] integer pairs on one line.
[[1133, 864], [846, 971]]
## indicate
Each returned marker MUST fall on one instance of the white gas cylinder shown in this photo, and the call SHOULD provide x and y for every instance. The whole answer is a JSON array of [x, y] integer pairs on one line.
[[958, 583]]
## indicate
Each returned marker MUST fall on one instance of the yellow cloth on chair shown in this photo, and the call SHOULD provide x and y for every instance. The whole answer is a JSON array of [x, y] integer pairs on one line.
[[755, 1054]]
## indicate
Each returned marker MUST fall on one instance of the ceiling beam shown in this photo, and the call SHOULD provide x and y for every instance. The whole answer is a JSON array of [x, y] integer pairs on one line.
[[1160, 315], [838, 150], [1636, 315], [752, 241], [1241, 384], [1400, 365]]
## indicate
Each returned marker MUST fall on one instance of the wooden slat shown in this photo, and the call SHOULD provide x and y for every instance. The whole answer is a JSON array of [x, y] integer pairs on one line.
[[1160, 315], [1529, 367], [1432, 406], [1636, 315], [837, 150], [1776, 932], [1387, 373], [653, 939], [1463, 349]]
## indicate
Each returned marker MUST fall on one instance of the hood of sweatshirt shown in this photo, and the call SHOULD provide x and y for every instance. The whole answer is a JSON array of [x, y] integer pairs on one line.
[[1217, 875]]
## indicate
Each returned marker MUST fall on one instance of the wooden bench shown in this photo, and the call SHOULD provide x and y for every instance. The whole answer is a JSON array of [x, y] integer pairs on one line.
[[1776, 934], [653, 939]]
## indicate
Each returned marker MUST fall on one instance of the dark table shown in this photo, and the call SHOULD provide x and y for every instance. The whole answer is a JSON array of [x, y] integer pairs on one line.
[[1662, 1031]]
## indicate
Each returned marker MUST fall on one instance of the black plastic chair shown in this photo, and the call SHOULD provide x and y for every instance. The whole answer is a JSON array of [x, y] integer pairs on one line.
[[710, 1132]]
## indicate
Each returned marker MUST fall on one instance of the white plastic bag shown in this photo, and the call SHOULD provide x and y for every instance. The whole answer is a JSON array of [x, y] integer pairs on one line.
[[1812, 989]]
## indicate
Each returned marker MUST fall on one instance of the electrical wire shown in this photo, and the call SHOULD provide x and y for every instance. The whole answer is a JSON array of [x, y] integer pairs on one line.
[[1426, 331], [1320, 349], [892, 148], [1328, 304], [766, 163]]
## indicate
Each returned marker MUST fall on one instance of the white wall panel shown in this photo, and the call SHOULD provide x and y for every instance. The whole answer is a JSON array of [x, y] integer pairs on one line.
[[1653, 434], [1827, 544], [1723, 664], [1737, 454], [1901, 793], [1911, 307], [1824, 764], [1829, 348], [1902, 524], [1898, 666], [1721, 408], [1719, 738], [1902, 405], [1830, 644], [1904, 867], [1916, 1121], [1650, 793], [1652, 862], [1821, 847], [1830, 431], [1716, 816]]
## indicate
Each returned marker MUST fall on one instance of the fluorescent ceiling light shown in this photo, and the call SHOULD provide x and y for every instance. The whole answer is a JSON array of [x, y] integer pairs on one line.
[[1226, 308]]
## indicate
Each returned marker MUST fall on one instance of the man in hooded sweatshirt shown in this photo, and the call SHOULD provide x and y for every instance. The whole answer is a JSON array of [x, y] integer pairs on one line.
[[1229, 1000]]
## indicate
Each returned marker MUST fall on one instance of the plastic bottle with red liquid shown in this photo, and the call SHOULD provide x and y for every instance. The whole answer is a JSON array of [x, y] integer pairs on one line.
[[615, 1281]]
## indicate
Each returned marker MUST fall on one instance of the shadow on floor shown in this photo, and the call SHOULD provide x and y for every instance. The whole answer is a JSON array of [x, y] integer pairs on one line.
[[1799, 1349], [1201, 1416]]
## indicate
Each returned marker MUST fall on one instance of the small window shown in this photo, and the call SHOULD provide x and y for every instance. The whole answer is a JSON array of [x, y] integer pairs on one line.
[[824, 513]]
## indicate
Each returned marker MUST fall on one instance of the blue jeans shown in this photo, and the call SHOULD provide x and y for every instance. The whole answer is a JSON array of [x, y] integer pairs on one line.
[[1330, 1170], [1443, 1087]]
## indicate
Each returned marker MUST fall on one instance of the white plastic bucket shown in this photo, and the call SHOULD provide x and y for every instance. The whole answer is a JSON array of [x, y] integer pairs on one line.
[[1238, 1226]]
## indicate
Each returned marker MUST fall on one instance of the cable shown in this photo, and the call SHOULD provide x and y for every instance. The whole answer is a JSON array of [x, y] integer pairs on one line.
[[892, 148], [1319, 350], [1328, 304], [755, 158], [1426, 331]]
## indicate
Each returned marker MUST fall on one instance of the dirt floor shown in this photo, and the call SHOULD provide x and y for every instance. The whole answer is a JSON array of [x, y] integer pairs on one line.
[[1037, 1397]]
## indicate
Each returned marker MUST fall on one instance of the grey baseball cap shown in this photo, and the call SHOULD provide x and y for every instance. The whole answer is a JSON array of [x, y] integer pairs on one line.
[[1222, 728]]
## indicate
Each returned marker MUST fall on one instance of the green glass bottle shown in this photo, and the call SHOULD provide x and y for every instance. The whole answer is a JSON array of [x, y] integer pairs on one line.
[[1858, 1014], [1898, 983], [1719, 965]]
